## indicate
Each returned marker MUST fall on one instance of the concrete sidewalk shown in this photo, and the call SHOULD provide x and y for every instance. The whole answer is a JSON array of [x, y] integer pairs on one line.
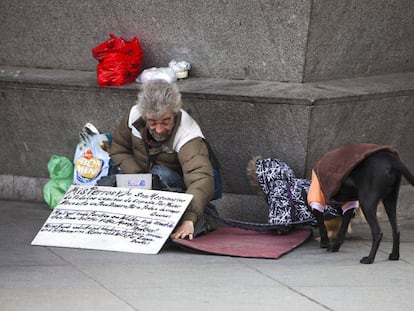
[[308, 278]]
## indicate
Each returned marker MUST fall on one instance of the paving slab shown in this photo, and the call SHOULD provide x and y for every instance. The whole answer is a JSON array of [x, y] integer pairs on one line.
[[54, 278]]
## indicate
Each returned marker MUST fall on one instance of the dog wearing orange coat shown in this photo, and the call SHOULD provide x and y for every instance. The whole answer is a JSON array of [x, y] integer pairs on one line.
[[358, 175]]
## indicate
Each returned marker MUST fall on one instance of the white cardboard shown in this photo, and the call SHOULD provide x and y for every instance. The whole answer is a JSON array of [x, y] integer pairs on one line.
[[114, 219]]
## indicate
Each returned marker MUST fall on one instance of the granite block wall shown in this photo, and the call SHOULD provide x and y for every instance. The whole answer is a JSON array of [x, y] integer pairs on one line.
[[268, 40], [287, 79], [42, 112]]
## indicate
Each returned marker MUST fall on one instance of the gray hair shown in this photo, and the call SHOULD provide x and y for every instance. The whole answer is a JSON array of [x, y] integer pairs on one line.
[[158, 97]]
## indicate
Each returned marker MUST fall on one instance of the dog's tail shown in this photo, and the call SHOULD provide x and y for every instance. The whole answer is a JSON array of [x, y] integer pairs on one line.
[[404, 171]]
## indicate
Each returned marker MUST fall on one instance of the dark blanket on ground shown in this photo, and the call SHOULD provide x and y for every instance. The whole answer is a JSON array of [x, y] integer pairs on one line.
[[246, 243], [336, 165]]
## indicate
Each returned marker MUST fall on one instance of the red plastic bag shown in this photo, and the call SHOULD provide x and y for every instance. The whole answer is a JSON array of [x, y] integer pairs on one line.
[[120, 61]]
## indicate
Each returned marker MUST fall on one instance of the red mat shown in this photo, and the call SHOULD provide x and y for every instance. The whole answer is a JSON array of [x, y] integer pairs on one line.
[[246, 243]]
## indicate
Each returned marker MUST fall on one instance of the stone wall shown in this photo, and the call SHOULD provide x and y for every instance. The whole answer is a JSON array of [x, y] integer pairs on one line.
[[43, 110], [285, 79], [267, 40]]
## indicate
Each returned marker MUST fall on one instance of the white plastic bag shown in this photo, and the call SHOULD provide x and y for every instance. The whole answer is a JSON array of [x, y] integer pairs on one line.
[[163, 73], [175, 70], [91, 159]]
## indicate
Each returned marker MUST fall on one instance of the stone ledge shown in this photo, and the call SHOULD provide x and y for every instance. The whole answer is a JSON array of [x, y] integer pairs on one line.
[[252, 91], [22, 188]]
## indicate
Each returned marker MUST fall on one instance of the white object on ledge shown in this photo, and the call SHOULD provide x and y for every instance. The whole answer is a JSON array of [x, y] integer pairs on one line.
[[154, 73], [180, 68]]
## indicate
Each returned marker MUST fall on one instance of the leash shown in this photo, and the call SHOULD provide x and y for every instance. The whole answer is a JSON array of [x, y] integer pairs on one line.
[[258, 227]]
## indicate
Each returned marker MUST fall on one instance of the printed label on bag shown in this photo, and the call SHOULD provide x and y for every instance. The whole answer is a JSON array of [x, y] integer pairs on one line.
[[88, 166]]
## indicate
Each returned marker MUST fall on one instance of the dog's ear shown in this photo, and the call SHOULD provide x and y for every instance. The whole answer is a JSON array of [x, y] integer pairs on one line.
[[251, 174]]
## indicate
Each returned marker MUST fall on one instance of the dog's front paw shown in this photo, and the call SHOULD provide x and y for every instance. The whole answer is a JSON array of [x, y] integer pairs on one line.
[[324, 243], [367, 260], [334, 246]]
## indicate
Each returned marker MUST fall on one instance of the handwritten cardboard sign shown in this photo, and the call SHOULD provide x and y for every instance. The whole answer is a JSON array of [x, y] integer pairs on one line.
[[112, 218]]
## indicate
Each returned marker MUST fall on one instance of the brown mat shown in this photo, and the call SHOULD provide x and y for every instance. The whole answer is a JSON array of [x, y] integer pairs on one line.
[[246, 243]]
